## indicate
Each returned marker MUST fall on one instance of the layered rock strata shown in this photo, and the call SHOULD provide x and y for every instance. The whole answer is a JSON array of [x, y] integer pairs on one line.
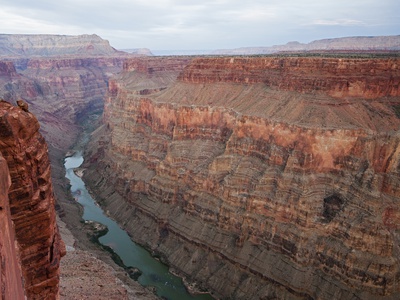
[[31, 201], [259, 178], [10, 269], [26, 45], [62, 92]]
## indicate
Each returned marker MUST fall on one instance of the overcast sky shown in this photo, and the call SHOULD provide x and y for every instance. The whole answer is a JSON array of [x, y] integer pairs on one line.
[[202, 24]]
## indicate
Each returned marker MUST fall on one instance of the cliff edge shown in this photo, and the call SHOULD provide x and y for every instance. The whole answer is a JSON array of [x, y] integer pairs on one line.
[[31, 202]]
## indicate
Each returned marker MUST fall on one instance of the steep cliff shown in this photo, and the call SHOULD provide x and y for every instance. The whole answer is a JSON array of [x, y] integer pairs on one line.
[[10, 270], [259, 177], [31, 201]]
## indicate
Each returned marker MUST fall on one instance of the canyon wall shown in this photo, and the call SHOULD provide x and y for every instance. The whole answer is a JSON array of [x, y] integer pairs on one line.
[[10, 270], [61, 77], [60, 91], [258, 178], [31, 204]]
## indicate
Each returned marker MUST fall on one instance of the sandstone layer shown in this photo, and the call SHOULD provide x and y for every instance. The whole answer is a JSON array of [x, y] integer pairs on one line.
[[31, 202], [259, 178]]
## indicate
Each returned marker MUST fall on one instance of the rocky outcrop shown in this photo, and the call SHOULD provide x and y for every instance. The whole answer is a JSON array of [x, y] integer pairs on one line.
[[259, 178], [13, 45], [7, 71], [32, 203]]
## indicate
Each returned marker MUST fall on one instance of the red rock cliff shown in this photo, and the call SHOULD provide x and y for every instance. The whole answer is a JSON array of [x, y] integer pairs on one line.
[[10, 269], [261, 177], [337, 77], [31, 202]]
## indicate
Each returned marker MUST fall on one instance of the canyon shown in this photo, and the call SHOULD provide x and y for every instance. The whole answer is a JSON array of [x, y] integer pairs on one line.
[[258, 177], [63, 88], [252, 177]]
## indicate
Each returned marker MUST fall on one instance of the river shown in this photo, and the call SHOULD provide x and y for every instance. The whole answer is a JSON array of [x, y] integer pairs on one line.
[[154, 273]]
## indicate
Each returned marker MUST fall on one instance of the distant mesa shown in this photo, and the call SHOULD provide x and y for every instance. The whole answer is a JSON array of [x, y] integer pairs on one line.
[[139, 51], [46, 45], [358, 43]]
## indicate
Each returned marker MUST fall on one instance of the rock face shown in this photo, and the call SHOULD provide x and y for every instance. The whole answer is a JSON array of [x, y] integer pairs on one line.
[[259, 178], [10, 270], [59, 91], [12, 45], [31, 202]]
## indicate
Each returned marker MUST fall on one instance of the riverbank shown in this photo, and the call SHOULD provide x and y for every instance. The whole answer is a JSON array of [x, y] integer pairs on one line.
[[84, 276]]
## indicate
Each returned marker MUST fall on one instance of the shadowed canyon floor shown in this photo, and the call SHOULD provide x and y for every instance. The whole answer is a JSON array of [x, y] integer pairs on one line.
[[258, 177]]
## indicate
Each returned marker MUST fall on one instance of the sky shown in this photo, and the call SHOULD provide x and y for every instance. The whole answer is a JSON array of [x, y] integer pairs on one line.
[[202, 24]]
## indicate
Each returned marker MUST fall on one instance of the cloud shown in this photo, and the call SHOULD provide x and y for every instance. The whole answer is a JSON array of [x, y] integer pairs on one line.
[[20, 24], [206, 24]]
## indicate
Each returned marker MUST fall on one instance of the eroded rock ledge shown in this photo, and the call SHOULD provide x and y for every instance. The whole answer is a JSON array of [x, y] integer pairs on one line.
[[31, 204], [259, 177]]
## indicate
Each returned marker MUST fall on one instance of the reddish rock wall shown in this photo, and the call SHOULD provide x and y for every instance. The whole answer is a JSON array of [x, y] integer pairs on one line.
[[10, 268], [337, 77], [31, 201], [260, 188], [59, 91]]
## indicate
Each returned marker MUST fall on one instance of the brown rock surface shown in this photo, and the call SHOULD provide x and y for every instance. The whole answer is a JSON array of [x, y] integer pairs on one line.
[[31, 201], [260, 177], [10, 270]]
